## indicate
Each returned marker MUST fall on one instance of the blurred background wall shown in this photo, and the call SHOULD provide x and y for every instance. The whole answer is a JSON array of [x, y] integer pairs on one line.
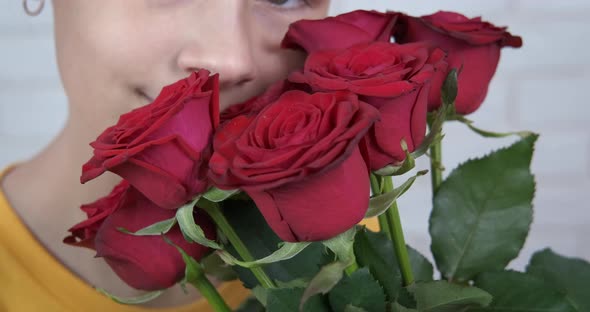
[[541, 87]]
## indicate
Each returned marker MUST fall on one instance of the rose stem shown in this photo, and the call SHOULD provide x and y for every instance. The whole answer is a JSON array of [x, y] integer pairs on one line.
[[208, 291], [376, 190], [436, 166], [397, 236], [215, 212]]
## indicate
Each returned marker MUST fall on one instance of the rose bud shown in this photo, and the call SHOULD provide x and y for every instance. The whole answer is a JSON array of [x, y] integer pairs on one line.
[[83, 233], [300, 161], [341, 31], [473, 48], [393, 78], [162, 149], [146, 262]]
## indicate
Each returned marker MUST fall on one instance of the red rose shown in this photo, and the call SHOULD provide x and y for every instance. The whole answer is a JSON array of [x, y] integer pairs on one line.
[[162, 148], [146, 262], [83, 233], [473, 47], [300, 161], [341, 31], [393, 78], [255, 104]]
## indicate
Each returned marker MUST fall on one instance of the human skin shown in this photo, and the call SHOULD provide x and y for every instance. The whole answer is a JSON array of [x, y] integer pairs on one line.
[[116, 55]]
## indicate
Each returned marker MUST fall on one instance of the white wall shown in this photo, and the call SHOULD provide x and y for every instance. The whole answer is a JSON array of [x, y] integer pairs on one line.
[[540, 87]]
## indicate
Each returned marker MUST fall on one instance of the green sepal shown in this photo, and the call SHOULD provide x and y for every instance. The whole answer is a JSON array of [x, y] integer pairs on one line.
[[486, 133], [287, 251], [213, 265], [191, 229], [324, 281], [380, 203], [193, 270], [217, 195], [329, 275], [147, 297], [157, 228], [408, 164], [342, 245]]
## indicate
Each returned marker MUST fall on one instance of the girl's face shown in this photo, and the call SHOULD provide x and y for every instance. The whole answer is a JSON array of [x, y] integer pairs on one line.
[[116, 55]]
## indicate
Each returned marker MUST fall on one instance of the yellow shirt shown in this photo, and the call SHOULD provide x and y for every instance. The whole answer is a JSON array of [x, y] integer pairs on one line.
[[32, 280]]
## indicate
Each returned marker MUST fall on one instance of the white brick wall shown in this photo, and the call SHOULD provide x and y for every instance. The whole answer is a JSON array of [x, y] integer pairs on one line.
[[540, 87], [32, 104]]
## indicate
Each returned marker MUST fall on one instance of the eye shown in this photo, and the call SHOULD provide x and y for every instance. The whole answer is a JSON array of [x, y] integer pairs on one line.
[[288, 4]]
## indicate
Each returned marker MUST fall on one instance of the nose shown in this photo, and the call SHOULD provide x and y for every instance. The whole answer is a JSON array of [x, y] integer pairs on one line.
[[221, 43]]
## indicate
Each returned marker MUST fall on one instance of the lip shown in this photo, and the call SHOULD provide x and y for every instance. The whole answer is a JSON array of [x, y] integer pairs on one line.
[[142, 94]]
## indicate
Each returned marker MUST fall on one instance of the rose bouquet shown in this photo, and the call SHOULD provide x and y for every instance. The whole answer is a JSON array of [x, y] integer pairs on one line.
[[272, 190]]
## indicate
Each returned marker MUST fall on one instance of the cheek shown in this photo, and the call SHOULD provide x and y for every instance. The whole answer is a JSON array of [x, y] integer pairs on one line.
[[132, 51], [269, 28], [280, 63]]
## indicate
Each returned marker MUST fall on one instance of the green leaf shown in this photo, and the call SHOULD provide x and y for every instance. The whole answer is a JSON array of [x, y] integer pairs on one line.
[[406, 299], [325, 280], [342, 245], [251, 305], [380, 203], [217, 195], [375, 251], [157, 228], [482, 212], [360, 290], [149, 296], [192, 230], [262, 241], [261, 294], [450, 88], [296, 283], [351, 308], [287, 300], [421, 267], [520, 292], [400, 308], [287, 251], [213, 265], [571, 276], [442, 296]]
